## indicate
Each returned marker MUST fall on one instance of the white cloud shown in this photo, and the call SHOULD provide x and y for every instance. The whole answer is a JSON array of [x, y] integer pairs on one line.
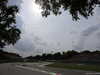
[[88, 38], [55, 33]]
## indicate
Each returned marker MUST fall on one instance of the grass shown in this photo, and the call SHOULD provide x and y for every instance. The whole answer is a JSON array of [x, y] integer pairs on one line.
[[75, 66], [32, 63]]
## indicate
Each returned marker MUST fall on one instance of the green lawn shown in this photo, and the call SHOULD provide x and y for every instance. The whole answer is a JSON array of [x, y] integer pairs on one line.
[[75, 66]]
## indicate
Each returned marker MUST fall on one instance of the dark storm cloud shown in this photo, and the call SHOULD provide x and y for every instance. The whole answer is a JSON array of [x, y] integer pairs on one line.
[[84, 35], [37, 40], [24, 46], [90, 30]]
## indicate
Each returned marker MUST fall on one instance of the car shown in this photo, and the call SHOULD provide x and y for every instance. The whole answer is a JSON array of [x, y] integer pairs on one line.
[[24, 64]]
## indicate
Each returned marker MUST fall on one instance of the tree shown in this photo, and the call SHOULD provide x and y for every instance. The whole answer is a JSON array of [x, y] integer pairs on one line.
[[85, 52], [64, 55], [71, 53], [83, 7], [9, 34], [2, 55], [49, 57], [30, 57], [37, 57], [43, 56], [57, 56], [7, 56]]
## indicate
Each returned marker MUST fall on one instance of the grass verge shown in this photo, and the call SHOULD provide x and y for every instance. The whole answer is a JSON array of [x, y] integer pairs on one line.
[[75, 66]]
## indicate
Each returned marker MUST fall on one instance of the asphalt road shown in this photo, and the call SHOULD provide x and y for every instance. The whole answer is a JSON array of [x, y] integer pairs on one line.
[[8, 69], [38, 69]]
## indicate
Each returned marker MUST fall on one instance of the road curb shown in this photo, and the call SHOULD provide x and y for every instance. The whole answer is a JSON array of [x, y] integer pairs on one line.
[[46, 72]]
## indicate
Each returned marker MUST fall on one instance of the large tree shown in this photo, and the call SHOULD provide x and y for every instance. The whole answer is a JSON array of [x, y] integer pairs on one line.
[[9, 34], [75, 7]]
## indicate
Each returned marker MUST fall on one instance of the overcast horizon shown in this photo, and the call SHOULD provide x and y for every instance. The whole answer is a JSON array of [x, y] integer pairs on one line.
[[54, 33]]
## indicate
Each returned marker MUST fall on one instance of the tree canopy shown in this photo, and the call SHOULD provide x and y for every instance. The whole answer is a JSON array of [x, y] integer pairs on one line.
[[70, 55], [9, 34], [75, 7], [5, 55]]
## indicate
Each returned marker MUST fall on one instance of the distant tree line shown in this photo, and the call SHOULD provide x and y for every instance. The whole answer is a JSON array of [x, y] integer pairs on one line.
[[59, 56], [4, 55]]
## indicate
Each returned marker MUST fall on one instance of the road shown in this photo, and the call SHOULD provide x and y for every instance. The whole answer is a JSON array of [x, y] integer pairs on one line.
[[39, 69], [8, 69]]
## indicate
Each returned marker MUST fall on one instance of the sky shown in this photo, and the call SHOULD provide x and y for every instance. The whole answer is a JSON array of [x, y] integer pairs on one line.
[[54, 33]]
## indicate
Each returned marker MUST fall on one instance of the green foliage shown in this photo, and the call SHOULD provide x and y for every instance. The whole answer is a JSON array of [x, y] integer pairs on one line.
[[57, 56], [85, 52], [43, 56], [49, 56], [37, 57], [9, 34], [62, 57], [4, 53], [75, 7], [29, 57], [71, 53]]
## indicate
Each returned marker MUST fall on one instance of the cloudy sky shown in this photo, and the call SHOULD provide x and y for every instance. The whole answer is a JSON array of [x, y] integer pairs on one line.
[[55, 33]]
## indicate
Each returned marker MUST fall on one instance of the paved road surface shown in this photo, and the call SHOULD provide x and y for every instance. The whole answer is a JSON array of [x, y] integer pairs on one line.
[[8, 69], [63, 71], [38, 69]]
